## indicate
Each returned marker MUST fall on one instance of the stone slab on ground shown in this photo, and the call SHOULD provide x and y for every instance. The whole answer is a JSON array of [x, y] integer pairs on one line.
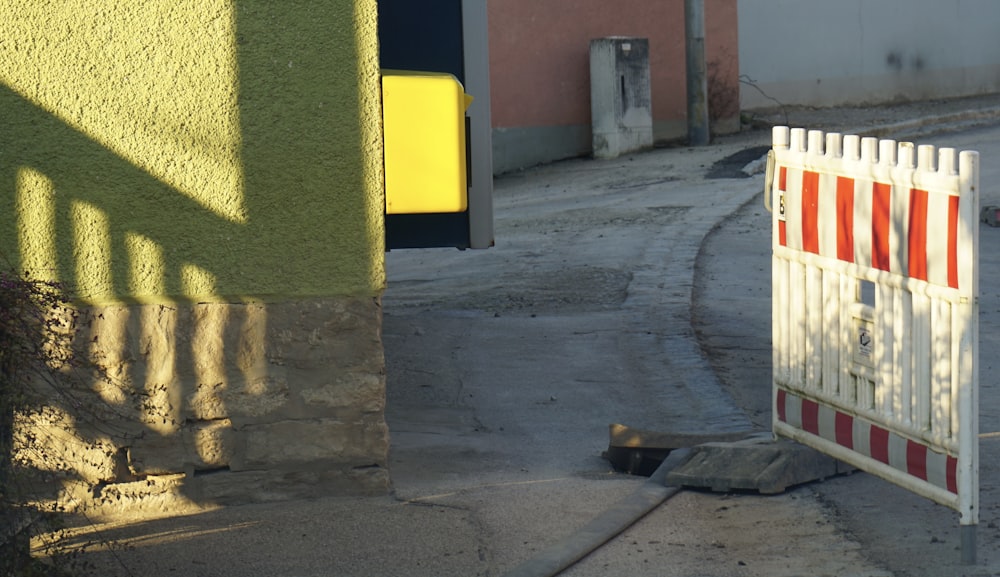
[[759, 463]]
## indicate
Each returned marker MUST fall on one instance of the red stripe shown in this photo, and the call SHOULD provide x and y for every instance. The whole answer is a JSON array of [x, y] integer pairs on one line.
[[810, 208], [810, 416], [844, 427], [783, 187], [916, 460], [879, 444], [918, 235], [845, 219], [951, 467], [880, 225], [782, 396], [953, 242]]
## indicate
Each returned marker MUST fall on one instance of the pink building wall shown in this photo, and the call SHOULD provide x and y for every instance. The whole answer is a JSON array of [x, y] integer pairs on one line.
[[540, 71]]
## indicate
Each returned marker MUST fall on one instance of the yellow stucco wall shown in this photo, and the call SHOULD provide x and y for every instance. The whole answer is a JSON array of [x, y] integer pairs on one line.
[[192, 150]]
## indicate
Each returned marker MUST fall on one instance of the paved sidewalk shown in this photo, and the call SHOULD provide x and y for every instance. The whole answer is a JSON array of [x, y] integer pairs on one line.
[[505, 367]]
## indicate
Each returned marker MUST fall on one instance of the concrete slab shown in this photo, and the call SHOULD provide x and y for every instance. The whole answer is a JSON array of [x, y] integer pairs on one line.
[[721, 462], [759, 463]]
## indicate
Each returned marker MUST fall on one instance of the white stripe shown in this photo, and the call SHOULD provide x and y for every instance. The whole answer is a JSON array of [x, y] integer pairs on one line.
[[937, 238], [897, 452], [862, 437], [899, 219], [937, 469], [793, 209], [793, 411], [826, 216], [863, 223], [827, 423]]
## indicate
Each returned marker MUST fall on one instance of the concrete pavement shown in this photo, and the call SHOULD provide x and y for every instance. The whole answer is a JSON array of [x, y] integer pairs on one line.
[[506, 366]]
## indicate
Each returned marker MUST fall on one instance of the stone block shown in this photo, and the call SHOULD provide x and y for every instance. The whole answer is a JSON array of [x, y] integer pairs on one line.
[[197, 446], [233, 487], [306, 444], [294, 386]]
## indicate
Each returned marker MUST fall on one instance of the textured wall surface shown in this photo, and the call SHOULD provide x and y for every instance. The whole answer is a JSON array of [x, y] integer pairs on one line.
[[819, 53], [206, 176], [192, 150], [540, 70]]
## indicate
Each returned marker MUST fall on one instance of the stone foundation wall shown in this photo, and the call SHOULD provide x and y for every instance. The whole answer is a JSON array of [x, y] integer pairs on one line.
[[248, 402]]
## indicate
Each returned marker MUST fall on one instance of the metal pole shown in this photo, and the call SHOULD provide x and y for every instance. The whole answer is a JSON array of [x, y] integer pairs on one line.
[[968, 543], [697, 82], [477, 84]]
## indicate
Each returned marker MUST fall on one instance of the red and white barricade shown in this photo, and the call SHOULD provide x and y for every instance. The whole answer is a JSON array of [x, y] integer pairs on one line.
[[875, 309]]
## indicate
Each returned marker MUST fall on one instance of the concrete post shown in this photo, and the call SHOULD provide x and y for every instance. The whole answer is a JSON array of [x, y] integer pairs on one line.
[[697, 82]]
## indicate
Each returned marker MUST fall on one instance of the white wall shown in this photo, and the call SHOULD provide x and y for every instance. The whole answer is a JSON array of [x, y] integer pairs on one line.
[[833, 52]]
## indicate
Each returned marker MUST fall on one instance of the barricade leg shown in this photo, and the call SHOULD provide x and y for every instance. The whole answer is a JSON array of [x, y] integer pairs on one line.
[[968, 544]]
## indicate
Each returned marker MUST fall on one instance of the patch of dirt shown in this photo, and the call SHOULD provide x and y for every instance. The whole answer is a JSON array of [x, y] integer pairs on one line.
[[732, 165], [570, 289], [590, 220]]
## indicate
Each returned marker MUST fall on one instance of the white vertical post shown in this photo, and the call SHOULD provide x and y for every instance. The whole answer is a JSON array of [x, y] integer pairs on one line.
[[968, 395]]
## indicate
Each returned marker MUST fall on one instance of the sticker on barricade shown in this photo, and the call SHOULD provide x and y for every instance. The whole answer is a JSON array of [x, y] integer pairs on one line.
[[875, 313]]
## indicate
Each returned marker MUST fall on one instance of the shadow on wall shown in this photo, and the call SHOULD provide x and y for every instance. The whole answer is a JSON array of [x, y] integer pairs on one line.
[[228, 279]]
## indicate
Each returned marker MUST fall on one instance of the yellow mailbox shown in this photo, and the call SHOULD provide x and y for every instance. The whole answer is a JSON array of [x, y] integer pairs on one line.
[[423, 116]]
